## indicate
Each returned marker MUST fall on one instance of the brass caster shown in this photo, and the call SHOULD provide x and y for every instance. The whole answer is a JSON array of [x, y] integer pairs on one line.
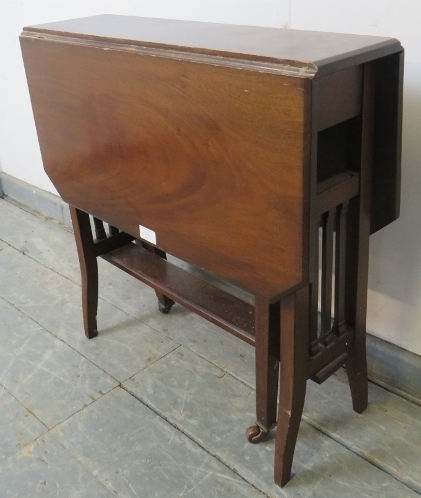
[[255, 434]]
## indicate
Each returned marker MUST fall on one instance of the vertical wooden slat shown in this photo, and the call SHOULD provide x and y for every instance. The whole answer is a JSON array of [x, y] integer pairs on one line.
[[314, 299], [99, 229], [339, 325], [327, 274]]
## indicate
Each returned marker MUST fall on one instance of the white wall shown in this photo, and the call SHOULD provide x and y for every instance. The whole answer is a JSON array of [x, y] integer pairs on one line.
[[395, 257]]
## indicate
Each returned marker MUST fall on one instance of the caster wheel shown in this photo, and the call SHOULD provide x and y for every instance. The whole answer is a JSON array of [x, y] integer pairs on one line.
[[255, 434]]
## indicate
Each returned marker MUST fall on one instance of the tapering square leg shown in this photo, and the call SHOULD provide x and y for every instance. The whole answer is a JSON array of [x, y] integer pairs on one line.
[[88, 268], [267, 369], [358, 252], [164, 302], [294, 374]]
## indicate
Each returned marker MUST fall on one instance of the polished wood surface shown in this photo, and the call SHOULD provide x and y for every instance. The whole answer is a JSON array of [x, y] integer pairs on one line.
[[294, 340], [318, 51], [265, 156], [210, 158]]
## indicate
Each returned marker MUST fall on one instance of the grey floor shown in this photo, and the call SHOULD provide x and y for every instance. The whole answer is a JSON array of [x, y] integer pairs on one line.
[[157, 405]]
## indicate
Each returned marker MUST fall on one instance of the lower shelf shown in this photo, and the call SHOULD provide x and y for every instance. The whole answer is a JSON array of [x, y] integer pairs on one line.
[[216, 305]]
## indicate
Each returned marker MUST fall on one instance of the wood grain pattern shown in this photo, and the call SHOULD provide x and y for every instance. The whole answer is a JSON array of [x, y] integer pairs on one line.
[[210, 158]]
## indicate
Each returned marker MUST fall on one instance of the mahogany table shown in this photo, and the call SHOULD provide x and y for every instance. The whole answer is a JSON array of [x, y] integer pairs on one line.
[[261, 155]]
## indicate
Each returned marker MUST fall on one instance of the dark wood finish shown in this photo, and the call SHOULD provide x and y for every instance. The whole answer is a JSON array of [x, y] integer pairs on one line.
[[88, 268], [327, 273], [294, 359], [314, 345], [331, 194], [327, 355], [313, 51], [202, 146], [208, 301], [237, 146], [267, 363], [113, 230], [339, 97], [339, 325], [88, 250], [359, 232], [120, 148], [330, 368], [164, 302], [110, 243], [386, 174], [99, 229]]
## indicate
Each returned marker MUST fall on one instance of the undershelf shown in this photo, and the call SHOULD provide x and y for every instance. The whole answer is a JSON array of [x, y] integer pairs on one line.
[[208, 301]]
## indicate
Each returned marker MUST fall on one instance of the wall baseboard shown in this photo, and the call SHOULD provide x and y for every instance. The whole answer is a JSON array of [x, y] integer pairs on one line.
[[389, 366], [36, 199], [394, 368]]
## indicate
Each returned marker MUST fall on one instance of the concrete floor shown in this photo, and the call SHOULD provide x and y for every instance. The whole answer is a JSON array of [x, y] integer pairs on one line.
[[157, 405]]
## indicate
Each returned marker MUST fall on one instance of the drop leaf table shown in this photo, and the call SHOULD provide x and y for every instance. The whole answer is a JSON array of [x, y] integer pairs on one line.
[[265, 156]]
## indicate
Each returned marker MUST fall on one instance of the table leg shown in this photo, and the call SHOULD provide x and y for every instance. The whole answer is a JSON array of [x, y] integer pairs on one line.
[[88, 268], [164, 302], [294, 374], [267, 369], [358, 243], [355, 310]]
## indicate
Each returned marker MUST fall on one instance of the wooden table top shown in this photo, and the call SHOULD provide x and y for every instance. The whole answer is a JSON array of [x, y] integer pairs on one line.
[[202, 133], [313, 50]]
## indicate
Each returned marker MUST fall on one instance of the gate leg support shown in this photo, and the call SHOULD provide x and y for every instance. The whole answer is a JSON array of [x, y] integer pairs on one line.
[[357, 276]]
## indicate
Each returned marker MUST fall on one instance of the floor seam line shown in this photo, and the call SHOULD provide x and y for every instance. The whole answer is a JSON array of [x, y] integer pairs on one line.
[[359, 454], [153, 363], [85, 406], [58, 338], [101, 296], [77, 459], [313, 424], [119, 383], [213, 455]]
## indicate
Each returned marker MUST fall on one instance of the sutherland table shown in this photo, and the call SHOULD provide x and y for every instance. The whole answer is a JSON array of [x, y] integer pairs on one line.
[[261, 155]]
